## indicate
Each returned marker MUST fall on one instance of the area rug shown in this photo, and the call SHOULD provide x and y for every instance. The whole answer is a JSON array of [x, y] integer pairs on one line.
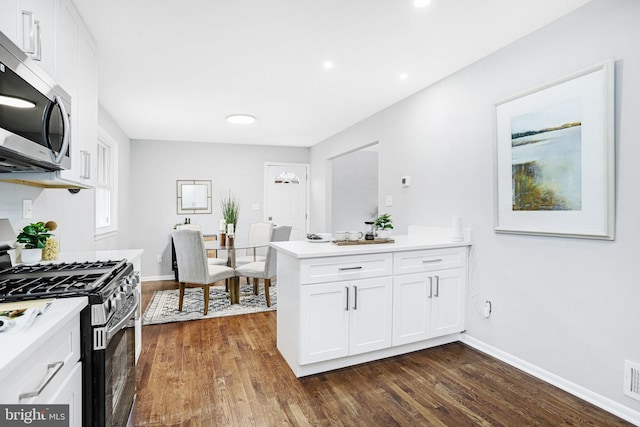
[[163, 307]]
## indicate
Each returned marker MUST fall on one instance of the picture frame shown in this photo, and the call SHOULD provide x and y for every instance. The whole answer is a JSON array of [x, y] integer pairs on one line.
[[193, 197], [554, 160]]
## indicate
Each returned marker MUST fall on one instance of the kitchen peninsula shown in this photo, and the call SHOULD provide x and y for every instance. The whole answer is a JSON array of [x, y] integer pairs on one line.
[[343, 305]]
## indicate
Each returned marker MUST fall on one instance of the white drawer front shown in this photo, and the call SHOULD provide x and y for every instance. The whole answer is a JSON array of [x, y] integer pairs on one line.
[[345, 268], [429, 260], [56, 357]]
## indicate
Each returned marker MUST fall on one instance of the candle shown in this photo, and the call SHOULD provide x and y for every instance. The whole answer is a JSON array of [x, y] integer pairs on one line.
[[457, 229], [230, 229], [222, 226]]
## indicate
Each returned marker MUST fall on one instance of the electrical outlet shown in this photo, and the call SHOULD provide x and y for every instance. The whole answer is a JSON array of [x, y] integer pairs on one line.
[[159, 258], [27, 208], [486, 310]]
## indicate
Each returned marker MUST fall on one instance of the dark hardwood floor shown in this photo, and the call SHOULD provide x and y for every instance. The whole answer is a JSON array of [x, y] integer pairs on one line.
[[228, 372]]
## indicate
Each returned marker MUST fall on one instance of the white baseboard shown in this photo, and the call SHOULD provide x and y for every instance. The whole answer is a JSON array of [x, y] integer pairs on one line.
[[602, 402], [156, 278]]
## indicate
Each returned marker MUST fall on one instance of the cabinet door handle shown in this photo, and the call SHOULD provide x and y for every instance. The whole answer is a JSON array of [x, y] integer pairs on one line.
[[28, 39], [430, 287], [437, 287], [37, 43], [349, 268], [52, 370], [355, 297], [427, 261], [346, 305], [85, 171]]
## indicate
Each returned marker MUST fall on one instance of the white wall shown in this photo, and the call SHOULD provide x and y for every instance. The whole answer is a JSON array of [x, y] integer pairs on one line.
[[354, 190], [74, 213], [567, 306], [159, 164]]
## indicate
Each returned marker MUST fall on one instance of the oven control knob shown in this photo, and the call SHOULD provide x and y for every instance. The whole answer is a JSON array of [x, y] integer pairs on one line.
[[118, 302]]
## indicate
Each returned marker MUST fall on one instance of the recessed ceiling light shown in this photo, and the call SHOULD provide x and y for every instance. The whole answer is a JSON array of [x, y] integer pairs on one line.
[[328, 65], [421, 3], [403, 76], [11, 101], [241, 119]]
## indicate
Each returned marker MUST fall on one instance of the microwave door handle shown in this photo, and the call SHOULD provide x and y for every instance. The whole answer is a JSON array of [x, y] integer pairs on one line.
[[65, 129]]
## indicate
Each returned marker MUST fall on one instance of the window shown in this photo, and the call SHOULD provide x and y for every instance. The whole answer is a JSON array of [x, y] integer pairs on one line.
[[106, 194], [287, 178]]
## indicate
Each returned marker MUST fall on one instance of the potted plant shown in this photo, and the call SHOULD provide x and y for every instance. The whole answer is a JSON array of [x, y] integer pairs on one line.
[[229, 206], [34, 237], [383, 225]]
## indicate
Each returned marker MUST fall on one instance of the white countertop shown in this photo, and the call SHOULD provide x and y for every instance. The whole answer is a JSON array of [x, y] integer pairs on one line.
[[16, 345], [307, 249], [130, 255]]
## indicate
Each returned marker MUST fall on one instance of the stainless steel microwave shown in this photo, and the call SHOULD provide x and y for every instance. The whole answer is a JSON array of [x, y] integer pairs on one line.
[[35, 131]]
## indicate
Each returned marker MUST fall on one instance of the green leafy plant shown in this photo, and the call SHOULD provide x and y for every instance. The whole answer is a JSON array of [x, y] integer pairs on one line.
[[34, 236], [230, 206], [383, 222]]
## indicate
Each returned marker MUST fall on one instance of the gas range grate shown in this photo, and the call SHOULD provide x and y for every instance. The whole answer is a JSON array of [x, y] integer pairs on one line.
[[62, 267], [91, 278], [43, 286]]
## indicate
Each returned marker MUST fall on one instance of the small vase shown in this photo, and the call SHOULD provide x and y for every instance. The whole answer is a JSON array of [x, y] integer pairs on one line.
[[31, 256]]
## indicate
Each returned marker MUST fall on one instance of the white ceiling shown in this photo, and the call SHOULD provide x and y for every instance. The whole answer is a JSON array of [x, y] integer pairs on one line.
[[173, 70]]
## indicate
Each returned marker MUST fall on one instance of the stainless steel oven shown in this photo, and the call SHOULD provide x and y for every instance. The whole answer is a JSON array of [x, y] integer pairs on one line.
[[113, 364], [107, 326]]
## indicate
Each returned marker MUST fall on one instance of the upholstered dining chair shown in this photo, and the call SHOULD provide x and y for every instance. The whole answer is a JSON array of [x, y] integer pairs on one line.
[[193, 268], [259, 235], [266, 269], [212, 254]]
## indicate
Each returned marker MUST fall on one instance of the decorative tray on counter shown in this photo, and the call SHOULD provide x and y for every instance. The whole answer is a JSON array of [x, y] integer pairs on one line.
[[361, 242]]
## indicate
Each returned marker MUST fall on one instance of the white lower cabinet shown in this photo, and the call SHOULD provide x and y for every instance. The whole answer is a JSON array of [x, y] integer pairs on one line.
[[345, 318], [51, 374], [341, 307], [428, 305]]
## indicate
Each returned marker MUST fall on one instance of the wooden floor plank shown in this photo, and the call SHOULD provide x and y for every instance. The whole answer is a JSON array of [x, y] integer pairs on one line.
[[228, 372]]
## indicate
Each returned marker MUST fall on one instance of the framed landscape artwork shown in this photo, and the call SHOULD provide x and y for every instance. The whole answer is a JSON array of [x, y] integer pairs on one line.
[[555, 159]]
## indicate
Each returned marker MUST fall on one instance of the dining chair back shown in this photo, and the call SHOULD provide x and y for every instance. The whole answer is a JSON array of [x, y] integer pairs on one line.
[[266, 269], [193, 266], [280, 233], [259, 235]]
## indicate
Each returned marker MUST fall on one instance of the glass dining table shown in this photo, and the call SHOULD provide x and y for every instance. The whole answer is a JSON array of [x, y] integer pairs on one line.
[[231, 250]]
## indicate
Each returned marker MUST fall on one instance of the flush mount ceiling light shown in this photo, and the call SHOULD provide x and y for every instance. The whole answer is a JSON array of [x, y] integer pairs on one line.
[[328, 65], [241, 119], [403, 76], [421, 3], [15, 102]]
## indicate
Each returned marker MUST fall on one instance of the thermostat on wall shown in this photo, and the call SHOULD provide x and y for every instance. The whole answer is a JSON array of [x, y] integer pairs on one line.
[[406, 181]]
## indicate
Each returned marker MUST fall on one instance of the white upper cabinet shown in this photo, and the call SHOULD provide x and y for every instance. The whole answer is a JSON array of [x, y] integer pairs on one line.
[[77, 74], [32, 26], [54, 35]]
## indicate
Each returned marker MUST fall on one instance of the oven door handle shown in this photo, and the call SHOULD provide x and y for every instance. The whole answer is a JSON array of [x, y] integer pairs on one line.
[[125, 319]]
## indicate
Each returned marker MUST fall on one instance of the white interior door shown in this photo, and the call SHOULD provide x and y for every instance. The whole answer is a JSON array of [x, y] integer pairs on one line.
[[286, 196]]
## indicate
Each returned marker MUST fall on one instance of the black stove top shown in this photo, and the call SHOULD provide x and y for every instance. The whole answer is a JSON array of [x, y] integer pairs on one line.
[[60, 280]]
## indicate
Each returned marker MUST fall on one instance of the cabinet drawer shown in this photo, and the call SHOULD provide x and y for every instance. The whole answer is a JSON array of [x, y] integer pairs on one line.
[[429, 260], [55, 358], [332, 269]]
